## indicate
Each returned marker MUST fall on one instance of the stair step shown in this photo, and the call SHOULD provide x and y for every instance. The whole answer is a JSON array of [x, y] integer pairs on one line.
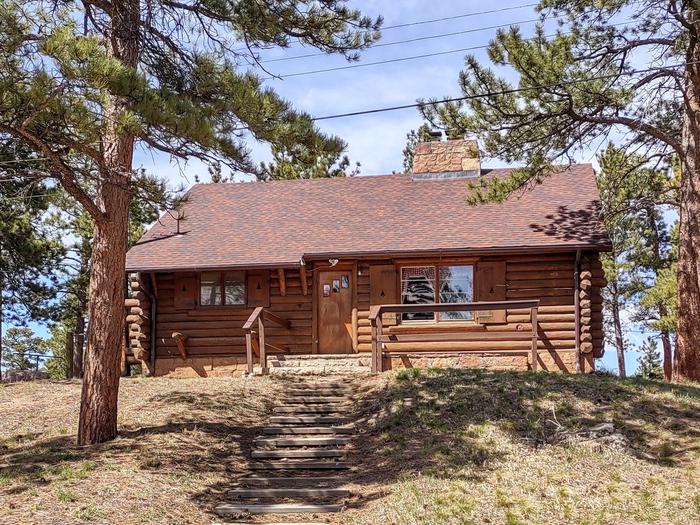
[[289, 493], [294, 453], [269, 523], [300, 396], [318, 385], [227, 509], [298, 465], [300, 431], [303, 441], [309, 419], [295, 481], [314, 400], [311, 409]]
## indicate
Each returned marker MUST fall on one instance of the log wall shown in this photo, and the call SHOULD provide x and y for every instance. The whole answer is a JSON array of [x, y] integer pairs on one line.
[[215, 343], [138, 322], [549, 278], [215, 338]]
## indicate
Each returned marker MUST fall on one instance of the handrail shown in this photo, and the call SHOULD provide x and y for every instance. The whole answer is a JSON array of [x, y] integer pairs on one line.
[[449, 307], [378, 337], [253, 318], [259, 316]]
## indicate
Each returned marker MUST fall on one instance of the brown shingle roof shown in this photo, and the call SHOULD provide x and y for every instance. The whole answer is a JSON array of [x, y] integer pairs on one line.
[[276, 223]]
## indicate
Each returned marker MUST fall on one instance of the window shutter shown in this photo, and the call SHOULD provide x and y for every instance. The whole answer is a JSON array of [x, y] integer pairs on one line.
[[382, 288], [185, 292], [258, 289], [491, 286]]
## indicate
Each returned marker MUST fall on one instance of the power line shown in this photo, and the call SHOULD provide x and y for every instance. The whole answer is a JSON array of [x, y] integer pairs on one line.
[[464, 15], [442, 19], [488, 94], [408, 41], [471, 97], [377, 62], [503, 92], [404, 59]]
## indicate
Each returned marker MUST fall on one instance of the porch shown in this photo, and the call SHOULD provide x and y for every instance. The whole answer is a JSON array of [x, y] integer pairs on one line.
[[463, 344]]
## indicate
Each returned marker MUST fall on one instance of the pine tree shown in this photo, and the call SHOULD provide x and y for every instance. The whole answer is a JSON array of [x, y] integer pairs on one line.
[[413, 137], [22, 349], [632, 195], [84, 82], [650, 362], [76, 225], [29, 250], [286, 165], [577, 85]]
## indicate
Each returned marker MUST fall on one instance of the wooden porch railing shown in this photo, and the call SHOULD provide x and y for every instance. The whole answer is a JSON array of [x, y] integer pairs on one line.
[[379, 338], [255, 338]]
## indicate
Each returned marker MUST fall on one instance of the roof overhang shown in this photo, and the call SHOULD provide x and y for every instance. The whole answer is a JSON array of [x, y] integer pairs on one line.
[[387, 254]]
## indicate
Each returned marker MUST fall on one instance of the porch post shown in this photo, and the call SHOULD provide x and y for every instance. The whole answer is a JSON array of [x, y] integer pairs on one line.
[[379, 329], [263, 350], [249, 351], [533, 320], [373, 324]]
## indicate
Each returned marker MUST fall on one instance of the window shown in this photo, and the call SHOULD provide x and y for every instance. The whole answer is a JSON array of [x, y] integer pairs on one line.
[[418, 287], [222, 288], [437, 284]]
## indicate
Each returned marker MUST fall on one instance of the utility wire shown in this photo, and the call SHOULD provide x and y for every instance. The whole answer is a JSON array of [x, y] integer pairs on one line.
[[412, 57], [442, 19], [464, 15], [504, 92], [480, 95], [409, 40]]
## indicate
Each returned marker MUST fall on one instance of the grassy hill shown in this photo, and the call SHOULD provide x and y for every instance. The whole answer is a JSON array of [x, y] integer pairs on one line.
[[470, 446], [435, 447]]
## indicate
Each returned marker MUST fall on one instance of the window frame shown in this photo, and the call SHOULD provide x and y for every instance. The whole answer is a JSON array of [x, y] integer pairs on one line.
[[436, 291], [222, 290]]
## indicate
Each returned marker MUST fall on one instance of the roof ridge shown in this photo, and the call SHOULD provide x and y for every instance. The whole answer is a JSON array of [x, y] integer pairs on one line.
[[485, 170]]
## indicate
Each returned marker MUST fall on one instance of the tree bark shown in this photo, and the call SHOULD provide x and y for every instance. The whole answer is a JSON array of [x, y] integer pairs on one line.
[[688, 342], [98, 410], [668, 354], [619, 339], [69, 346], [78, 344]]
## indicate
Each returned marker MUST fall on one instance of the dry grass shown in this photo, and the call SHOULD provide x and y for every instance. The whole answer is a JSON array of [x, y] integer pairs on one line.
[[436, 447], [470, 446], [181, 441]]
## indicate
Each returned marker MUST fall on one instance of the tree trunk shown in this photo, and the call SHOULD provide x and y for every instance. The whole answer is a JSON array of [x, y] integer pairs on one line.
[[668, 354], [619, 339], [688, 343], [69, 347], [98, 409], [2, 288], [78, 336]]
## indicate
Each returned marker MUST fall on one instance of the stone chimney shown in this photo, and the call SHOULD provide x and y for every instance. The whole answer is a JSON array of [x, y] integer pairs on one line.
[[446, 159]]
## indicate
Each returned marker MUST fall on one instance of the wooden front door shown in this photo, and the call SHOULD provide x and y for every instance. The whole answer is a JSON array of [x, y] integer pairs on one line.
[[335, 312]]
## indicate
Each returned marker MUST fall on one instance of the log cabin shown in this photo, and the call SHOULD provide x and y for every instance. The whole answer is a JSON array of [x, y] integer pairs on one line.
[[396, 270]]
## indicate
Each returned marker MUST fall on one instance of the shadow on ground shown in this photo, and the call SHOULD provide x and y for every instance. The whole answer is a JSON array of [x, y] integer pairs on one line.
[[448, 422], [438, 422]]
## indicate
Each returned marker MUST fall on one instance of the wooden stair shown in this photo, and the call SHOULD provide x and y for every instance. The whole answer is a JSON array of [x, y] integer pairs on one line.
[[298, 462]]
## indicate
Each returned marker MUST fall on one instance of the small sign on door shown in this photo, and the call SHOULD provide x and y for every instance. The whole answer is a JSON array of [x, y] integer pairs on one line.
[[326, 290]]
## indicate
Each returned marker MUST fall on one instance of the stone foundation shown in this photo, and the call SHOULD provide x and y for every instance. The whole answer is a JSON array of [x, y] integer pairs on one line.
[[548, 361], [562, 361]]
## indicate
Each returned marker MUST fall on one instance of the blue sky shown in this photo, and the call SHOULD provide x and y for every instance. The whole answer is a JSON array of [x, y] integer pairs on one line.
[[377, 140]]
